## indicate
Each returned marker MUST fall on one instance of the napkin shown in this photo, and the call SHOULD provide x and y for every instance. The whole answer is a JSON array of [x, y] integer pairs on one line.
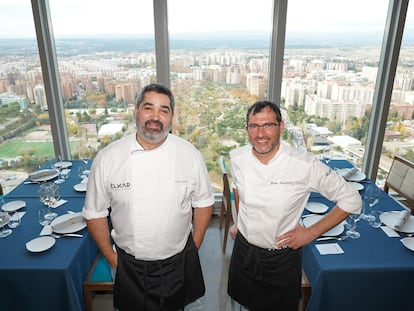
[[47, 230], [405, 215], [350, 173], [43, 173], [390, 232], [329, 248], [58, 203], [68, 222]]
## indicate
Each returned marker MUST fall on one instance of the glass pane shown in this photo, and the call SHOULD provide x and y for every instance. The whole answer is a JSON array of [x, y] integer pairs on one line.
[[105, 55], [399, 134], [331, 60], [219, 66], [25, 137]]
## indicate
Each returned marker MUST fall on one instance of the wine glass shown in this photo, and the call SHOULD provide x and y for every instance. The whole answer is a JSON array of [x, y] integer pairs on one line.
[[371, 198], [4, 220], [54, 198], [48, 195], [351, 224], [86, 161], [81, 172], [58, 167], [56, 164]]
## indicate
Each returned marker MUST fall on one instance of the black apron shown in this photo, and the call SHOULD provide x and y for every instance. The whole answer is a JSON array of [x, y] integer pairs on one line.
[[265, 280], [166, 285]]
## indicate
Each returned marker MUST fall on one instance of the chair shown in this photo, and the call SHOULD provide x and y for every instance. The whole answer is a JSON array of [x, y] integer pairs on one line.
[[400, 179], [99, 279], [226, 214]]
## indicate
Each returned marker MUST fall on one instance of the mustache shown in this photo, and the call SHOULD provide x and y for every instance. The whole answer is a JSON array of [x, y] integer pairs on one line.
[[155, 122]]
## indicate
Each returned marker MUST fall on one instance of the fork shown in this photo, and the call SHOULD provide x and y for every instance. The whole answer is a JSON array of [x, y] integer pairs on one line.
[[58, 236], [340, 238], [31, 182]]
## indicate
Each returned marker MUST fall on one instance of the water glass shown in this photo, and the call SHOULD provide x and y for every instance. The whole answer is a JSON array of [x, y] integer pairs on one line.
[[351, 224], [371, 198], [375, 221], [14, 220], [49, 194], [64, 174], [44, 220], [86, 161], [4, 219], [81, 171]]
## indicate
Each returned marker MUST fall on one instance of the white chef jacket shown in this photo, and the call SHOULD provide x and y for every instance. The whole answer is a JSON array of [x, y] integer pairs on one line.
[[151, 194], [273, 196]]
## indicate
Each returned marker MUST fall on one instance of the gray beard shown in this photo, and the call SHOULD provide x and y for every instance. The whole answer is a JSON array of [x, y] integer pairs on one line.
[[154, 137]]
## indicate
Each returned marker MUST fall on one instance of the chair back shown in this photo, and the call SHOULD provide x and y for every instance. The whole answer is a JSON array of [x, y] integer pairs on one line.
[[222, 164], [228, 208], [226, 183], [401, 179]]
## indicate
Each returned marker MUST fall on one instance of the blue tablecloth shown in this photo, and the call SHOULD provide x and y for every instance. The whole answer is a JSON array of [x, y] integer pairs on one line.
[[66, 188], [50, 280], [374, 273]]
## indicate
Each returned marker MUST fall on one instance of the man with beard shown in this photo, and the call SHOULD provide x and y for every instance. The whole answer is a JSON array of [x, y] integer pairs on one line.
[[272, 182], [149, 183]]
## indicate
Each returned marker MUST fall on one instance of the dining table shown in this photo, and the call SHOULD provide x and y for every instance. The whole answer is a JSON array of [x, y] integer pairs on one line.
[[372, 272], [52, 278]]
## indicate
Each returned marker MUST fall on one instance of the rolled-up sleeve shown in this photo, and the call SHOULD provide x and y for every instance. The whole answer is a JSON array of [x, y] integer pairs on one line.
[[334, 187], [204, 196], [97, 201]]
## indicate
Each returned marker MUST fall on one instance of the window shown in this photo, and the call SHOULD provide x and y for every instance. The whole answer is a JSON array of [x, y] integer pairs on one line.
[[25, 136], [105, 58], [399, 133], [332, 53], [219, 55], [219, 58]]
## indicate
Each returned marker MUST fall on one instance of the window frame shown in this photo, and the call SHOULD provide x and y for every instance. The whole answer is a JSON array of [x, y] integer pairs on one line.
[[396, 16]]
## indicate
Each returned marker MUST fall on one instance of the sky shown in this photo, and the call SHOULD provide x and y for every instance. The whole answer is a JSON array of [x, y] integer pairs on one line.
[[75, 17]]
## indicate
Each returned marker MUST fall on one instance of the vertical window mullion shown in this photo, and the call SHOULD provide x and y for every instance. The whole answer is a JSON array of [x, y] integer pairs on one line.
[[397, 12], [162, 49], [277, 50], [47, 53]]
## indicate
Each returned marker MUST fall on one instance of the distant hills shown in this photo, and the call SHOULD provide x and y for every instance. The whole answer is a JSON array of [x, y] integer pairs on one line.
[[195, 41]]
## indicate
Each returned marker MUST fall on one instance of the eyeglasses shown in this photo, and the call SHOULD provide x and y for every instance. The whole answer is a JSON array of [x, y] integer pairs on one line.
[[266, 126]]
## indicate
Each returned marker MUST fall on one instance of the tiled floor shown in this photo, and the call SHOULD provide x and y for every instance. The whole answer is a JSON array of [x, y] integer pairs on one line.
[[215, 268]]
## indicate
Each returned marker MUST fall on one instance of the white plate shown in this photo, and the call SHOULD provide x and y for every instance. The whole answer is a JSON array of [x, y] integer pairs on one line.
[[316, 207], [72, 225], [358, 176], [392, 219], [356, 185], [40, 244], [64, 164], [309, 221], [13, 206], [43, 175], [408, 242], [80, 187]]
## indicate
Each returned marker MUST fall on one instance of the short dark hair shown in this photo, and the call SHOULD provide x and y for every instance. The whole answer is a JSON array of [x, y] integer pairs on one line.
[[157, 88], [260, 105]]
